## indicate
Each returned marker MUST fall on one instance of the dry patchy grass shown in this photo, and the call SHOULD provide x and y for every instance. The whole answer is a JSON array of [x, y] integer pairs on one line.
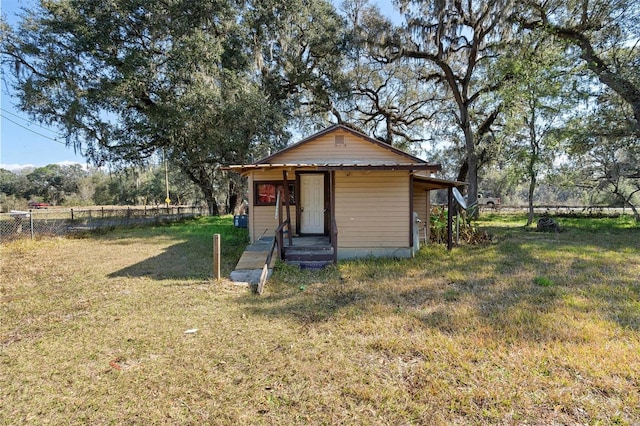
[[532, 329]]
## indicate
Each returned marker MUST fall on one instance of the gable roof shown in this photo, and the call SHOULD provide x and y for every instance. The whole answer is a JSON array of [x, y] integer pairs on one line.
[[394, 159], [335, 127]]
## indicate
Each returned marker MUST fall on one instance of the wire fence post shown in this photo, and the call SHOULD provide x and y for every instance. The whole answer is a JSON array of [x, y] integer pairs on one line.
[[216, 256], [31, 224]]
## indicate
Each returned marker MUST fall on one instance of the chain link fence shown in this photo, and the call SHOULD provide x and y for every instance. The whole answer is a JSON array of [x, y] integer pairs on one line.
[[58, 221], [562, 210]]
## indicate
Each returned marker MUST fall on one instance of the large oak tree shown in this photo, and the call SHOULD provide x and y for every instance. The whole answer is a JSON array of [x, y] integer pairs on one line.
[[603, 34], [457, 42], [208, 83]]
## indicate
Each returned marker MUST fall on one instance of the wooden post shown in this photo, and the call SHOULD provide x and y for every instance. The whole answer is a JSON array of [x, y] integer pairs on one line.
[[287, 205], [427, 225], [216, 256], [280, 220], [450, 219], [412, 222], [265, 268], [332, 207]]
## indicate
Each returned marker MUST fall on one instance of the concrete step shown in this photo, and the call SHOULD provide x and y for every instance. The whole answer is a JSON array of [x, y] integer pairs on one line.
[[310, 264], [308, 253], [308, 248], [316, 255], [309, 256]]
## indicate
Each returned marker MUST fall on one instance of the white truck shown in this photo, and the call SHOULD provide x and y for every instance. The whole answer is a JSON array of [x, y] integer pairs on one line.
[[485, 200]]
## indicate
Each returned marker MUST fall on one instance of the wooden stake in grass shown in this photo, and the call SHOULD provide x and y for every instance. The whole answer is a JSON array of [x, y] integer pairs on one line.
[[216, 256]]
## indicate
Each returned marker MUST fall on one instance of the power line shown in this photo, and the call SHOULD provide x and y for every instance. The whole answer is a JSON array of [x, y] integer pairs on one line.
[[33, 131], [27, 120]]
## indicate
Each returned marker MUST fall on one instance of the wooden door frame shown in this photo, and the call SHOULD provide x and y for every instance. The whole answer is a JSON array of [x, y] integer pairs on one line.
[[327, 200]]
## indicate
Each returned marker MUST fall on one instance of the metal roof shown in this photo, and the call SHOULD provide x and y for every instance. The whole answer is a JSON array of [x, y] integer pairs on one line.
[[430, 183], [358, 165], [421, 179]]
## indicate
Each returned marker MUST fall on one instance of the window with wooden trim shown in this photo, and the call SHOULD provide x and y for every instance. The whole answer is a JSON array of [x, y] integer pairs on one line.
[[266, 192]]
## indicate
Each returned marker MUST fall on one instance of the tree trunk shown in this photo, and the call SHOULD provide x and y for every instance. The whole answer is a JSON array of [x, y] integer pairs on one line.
[[200, 176], [534, 149], [209, 196], [627, 201], [472, 159], [532, 188], [462, 173], [472, 193], [235, 196]]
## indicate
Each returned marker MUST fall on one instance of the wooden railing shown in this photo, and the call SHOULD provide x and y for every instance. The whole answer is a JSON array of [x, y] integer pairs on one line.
[[278, 240], [283, 194], [334, 239]]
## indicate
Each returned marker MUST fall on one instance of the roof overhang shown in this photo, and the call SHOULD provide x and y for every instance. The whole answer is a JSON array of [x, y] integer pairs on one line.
[[431, 183], [364, 166]]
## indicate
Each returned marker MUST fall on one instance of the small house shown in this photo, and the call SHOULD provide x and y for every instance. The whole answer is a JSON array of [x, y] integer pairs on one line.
[[363, 196]]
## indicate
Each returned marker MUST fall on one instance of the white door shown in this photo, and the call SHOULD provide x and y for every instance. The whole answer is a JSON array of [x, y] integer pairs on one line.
[[312, 204]]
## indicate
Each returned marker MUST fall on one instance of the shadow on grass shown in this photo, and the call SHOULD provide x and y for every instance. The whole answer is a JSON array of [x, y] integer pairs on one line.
[[595, 259], [191, 257], [513, 288], [302, 307]]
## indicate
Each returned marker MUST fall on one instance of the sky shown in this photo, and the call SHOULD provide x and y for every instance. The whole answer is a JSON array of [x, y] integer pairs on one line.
[[24, 142], [27, 143]]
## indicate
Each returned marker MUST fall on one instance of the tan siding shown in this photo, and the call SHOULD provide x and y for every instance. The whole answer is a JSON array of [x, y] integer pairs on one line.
[[324, 150], [264, 220], [372, 209], [259, 175], [420, 204]]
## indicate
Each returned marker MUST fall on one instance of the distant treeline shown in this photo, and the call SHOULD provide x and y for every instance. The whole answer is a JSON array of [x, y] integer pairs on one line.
[[75, 185]]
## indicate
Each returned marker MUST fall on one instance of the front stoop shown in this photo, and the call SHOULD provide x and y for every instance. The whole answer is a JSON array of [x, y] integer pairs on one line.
[[309, 257], [309, 252]]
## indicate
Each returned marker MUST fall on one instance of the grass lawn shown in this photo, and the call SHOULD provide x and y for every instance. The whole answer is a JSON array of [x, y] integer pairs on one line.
[[532, 328]]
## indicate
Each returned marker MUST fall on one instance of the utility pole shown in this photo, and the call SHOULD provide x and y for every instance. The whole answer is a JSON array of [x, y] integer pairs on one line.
[[166, 176]]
